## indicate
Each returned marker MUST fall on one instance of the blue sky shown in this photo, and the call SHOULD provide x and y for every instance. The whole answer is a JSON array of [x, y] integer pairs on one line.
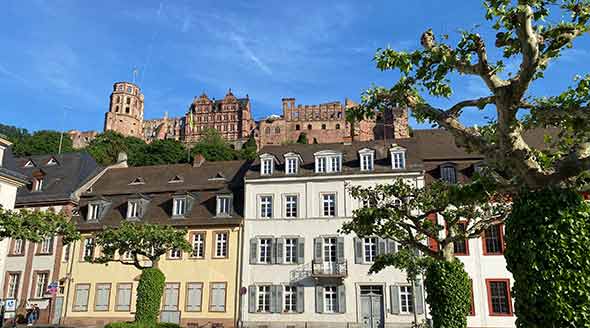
[[66, 54]]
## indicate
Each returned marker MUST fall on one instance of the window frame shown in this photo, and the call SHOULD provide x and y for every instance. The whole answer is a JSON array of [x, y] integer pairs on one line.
[[87, 285], [332, 300], [398, 163], [220, 199], [36, 292], [216, 241], [334, 204], [501, 241], [117, 308], [93, 212], [445, 167], [260, 206], [7, 287], [465, 241], [203, 250], [409, 294], [489, 297], [291, 206], [293, 298], [374, 249], [268, 250], [108, 305], [266, 166], [45, 247], [186, 305], [133, 209], [176, 208], [293, 245], [266, 299], [291, 165], [211, 296], [367, 160]]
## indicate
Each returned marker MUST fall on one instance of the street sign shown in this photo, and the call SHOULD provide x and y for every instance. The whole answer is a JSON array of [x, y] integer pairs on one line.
[[10, 305], [52, 288]]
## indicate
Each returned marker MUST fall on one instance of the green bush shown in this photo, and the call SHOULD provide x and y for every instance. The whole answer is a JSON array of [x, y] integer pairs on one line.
[[138, 325], [548, 243], [149, 294], [449, 294]]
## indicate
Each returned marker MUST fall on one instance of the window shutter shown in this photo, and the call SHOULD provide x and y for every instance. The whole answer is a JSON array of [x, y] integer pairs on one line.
[[81, 298], [124, 298], [272, 251], [279, 252], [358, 250], [300, 299], [51, 244], [317, 254], [300, 251], [394, 295], [195, 292], [341, 299], [419, 306], [102, 298], [218, 299], [276, 300], [382, 246], [252, 299], [391, 246], [253, 251], [319, 299], [340, 250]]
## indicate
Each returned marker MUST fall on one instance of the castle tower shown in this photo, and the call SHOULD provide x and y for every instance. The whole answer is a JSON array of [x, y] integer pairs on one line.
[[125, 114]]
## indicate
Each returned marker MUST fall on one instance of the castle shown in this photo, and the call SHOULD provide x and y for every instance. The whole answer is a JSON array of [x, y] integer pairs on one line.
[[232, 118]]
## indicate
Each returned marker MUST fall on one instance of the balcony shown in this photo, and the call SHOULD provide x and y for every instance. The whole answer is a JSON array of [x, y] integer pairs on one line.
[[329, 270]]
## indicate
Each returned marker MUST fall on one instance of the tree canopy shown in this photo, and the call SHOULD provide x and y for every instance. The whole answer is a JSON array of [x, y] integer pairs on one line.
[[42, 142], [36, 225], [214, 148]]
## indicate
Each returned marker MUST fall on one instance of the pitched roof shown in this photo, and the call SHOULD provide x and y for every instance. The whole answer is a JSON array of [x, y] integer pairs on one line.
[[8, 167], [61, 180]]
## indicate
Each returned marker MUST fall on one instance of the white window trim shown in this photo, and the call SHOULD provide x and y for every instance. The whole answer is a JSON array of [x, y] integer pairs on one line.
[[264, 160], [259, 207], [366, 152], [93, 211], [330, 158], [200, 243], [220, 199], [295, 168], [402, 153], [410, 296], [294, 246], [334, 296], [375, 244], [293, 294], [175, 208], [133, 209], [267, 253], [266, 299], [285, 201], [321, 208], [219, 243]]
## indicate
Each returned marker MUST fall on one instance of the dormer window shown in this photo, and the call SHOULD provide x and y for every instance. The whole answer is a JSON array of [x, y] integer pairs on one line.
[[367, 159], [266, 164], [448, 173], [137, 181], [176, 179], [292, 161], [93, 212], [479, 167], [398, 157], [179, 206], [51, 161], [224, 205], [134, 209], [29, 163], [38, 183], [328, 162]]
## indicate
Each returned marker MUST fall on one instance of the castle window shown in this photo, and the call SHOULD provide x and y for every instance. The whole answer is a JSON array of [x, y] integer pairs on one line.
[[128, 100], [120, 88], [127, 110], [339, 114], [129, 89], [337, 126], [118, 99], [267, 130], [117, 109], [309, 126], [277, 130], [323, 126], [297, 127]]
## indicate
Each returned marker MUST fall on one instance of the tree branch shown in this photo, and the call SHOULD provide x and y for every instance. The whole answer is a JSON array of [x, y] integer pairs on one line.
[[529, 46], [456, 110]]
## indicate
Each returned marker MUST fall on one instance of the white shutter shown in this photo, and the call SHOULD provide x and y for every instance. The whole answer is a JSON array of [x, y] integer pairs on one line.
[[81, 303], [194, 296], [124, 297], [217, 297], [102, 297]]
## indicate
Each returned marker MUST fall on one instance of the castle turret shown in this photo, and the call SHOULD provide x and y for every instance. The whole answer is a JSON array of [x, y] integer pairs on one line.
[[125, 113]]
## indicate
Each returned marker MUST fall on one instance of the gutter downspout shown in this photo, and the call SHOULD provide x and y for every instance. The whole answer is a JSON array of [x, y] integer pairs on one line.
[[239, 271], [69, 279]]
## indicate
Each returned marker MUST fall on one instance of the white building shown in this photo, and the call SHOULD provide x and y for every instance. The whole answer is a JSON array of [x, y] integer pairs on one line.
[[298, 271]]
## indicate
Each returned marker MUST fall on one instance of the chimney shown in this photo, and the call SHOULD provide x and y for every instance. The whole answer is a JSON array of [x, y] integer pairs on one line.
[[198, 160], [401, 128], [122, 159]]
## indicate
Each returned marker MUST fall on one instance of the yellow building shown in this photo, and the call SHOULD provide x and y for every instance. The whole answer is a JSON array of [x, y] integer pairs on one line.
[[201, 286]]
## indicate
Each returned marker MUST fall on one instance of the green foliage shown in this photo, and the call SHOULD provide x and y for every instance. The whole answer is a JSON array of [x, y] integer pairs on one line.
[[148, 240], [548, 242], [149, 293], [36, 225], [249, 149], [448, 291], [41, 143], [105, 148], [302, 139], [13, 133], [214, 148], [159, 152]]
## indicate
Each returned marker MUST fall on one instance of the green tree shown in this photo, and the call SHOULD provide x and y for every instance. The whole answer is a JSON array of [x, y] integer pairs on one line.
[[42, 143], [142, 246], [213, 147], [36, 225], [13, 133], [404, 213], [302, 139], [249, 149], [105, 148], [159, 152], [525, 30]]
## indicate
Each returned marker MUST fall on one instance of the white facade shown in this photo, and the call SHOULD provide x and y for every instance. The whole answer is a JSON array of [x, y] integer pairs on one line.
[[350, 289]]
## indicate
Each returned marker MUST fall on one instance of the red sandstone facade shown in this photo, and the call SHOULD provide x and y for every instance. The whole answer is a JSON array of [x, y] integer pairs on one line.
[[125, 113]]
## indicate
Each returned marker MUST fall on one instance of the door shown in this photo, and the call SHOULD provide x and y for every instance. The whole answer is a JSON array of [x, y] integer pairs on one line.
[[330, 256], [57, 307], [372, 306]]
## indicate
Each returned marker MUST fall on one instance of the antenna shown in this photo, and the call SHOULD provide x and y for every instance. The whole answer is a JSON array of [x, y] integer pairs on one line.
[[135, 74], [61, 136]]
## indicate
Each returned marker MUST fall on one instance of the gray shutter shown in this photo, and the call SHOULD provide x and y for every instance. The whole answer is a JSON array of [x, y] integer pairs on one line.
[[419, 306], [341, 299], [300, 299], [394, 295], [252, 299], [274, 299], [51, 244], [382, 247], [280, 242], [300, 251], [253, 250], [277, 299], [101, 298], [272, 251], [319, 299], [358, 250], [317, 246], [391, 246], [340, 250]]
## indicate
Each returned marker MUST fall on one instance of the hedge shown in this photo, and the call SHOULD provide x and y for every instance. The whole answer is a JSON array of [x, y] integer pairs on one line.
[[149, 294]]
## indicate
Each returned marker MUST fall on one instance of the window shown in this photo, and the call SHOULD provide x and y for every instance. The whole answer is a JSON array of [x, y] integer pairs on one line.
[[398, 160], [264, 250], [267, 166], [499, 297], [448, 174], [37, 184], [323, 126], [13, 282], [179, 206], [328, 204], [461, 247], [199, 245], [41, 281], [88, 250], [221, 244], [330, 299], [224, 205], [337, 126], [81, 297], [102, 296], [175, 254], [46, 246], [29, 163], [263, 299], [265, 206], [291, 206], [93, 212], [321, 164], [123, 300], [133, 209], [493, 240], [309, 126], [328, 164], [18, 247], [52, 161], [290, 301], [267, 130], [291, 166], [330, 250], [290, 250], [370, 247], [277, 130], [406, 299], [367, 162], [218, 295], [194, 296], [171, 297]]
